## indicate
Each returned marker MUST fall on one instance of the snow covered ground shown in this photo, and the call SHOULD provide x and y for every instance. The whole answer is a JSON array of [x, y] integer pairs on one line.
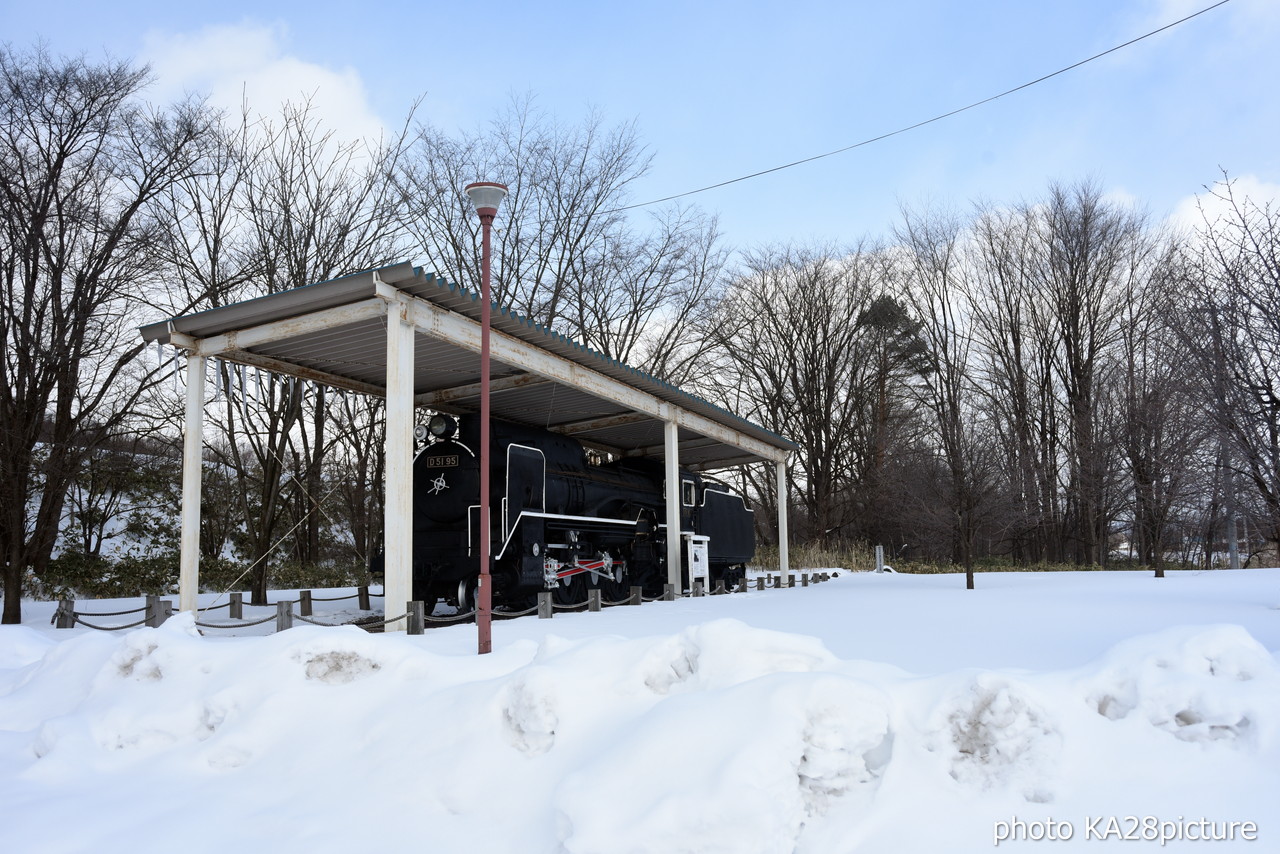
[[873, 713]]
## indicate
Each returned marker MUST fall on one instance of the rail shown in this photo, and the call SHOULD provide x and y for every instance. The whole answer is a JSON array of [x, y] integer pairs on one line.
[[157, 610]]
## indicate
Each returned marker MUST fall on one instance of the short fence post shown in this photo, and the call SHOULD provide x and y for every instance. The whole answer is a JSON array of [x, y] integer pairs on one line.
[[66, 616], [742, 584], [237, 606], [152, 614], [304, 603], [637, 596], [698, 589], [363, 598], [668, 593], [804, 579], [760, 583], [417, 617], [593, 599], [791, 580], [544, 605], [284, 615], [720, 588], [879, 558], [166, 611]]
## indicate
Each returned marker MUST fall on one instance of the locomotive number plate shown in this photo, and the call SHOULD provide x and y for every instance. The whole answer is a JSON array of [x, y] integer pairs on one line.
[[447, 461]]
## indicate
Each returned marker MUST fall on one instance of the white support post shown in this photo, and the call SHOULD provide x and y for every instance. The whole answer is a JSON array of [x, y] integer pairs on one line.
[[398, 507], [784, 558], [192, 464], [672, 463]]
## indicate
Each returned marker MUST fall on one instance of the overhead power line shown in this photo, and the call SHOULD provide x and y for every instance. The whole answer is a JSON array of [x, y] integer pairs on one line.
[[921, 124]]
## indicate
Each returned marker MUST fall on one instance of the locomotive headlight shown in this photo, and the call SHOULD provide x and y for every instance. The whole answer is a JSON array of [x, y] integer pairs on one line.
[[420, 433], [442, 426]]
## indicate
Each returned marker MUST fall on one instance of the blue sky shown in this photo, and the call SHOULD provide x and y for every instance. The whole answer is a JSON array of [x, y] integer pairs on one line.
[[722, 89]]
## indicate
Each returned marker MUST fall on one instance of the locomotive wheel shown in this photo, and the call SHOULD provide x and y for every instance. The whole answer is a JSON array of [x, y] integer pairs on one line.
[[466, 596], [732, 576], [573, 593], [612, 591]]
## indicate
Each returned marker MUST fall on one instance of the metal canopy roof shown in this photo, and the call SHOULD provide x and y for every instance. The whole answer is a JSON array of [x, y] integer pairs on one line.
[[335, 333]]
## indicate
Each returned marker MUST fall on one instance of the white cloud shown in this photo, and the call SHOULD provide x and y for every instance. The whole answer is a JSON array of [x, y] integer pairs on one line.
[[1191, 212], [1121, 197], [1249, 18], [249, 63]]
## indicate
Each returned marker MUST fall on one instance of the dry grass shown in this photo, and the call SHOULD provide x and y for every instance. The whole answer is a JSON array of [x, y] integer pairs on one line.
[[862, 557]]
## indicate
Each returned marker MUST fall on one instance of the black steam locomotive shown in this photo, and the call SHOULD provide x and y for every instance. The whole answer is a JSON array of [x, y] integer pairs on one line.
[[559, 521]]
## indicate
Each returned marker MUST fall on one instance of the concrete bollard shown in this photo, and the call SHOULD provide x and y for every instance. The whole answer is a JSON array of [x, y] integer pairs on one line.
[[698, 589], [362, 598], [284, 615], [804, 579], [304, 603], [668, 593], [593, 599], [720, 589], [417, 617], [544, 605], [637, 596], [791, 580], [237, 606], [742, 584], [760, 583]]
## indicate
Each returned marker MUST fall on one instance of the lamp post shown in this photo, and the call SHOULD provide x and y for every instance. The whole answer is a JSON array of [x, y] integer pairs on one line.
[[485, 196]]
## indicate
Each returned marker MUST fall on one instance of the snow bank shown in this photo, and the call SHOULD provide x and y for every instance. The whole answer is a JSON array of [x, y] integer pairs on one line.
[[718, 737]]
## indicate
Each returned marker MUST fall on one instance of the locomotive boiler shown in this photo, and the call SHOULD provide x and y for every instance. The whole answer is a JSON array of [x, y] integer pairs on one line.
[[561, 521]]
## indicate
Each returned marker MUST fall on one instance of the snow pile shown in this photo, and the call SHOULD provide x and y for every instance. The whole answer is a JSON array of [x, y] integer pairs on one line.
[[719, 737]]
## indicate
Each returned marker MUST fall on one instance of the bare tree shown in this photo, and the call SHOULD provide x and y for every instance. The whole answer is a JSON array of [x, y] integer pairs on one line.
[[82, 166], [646, 300], [936, 288], [566, 255], [1016, 376], [798, 356], [1233, 332], [1090, 254], [310, 208], [1163, 429]]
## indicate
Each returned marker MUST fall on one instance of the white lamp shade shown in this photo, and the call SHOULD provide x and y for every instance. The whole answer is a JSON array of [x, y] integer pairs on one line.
[[486, 194]]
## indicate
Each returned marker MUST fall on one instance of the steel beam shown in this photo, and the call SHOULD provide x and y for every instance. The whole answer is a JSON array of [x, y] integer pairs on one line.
[[605, 423], [292, 327], [686, 445], [463, 392], [290, 369]]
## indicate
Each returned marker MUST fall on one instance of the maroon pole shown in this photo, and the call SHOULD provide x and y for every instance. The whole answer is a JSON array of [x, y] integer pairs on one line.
[[485, 614], [486, 197]]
